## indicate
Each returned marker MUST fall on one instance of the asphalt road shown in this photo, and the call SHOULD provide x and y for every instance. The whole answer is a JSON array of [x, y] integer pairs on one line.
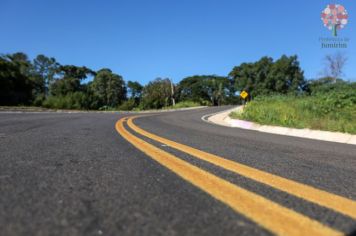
[[74, 174]]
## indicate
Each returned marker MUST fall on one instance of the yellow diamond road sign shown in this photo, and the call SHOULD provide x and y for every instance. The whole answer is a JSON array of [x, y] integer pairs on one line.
[[244, 94]]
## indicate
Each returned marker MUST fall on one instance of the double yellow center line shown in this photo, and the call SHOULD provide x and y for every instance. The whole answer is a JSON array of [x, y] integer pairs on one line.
[[270, 215]]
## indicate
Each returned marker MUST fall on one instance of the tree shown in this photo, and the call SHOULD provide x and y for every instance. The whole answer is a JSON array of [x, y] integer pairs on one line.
[[192, 88], [70, 81], [44, 70], [157, 94], [77, 72], [20, 60], [261, 70], [109, 88], [216, 87], [15, 86], [244, 78], [334, 65], [135, 91], [205, 88], [266, 76], [134, 88], [286, 76], [252, 77]]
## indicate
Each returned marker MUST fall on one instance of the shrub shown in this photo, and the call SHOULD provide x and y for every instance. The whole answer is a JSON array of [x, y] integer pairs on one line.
[[128, 105], [184, 104], [38, 101], [75, 100]]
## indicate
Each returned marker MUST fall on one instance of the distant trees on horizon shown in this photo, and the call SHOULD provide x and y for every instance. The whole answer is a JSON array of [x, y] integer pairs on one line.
[[45, 82]]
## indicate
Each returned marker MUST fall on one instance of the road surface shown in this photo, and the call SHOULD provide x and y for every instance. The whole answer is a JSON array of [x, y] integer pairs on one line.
[[168, 174]]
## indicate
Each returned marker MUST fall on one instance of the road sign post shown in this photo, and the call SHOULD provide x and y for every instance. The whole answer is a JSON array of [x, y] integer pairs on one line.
[[244, 95]]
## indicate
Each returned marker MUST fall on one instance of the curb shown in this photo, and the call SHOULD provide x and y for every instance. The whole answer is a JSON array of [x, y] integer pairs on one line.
[[222, 118]]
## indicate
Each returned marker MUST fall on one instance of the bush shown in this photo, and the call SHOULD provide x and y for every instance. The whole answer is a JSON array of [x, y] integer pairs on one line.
[[104, 108], [38, 100], [128, 105], [184, 104], [75, 100], [326, 85]]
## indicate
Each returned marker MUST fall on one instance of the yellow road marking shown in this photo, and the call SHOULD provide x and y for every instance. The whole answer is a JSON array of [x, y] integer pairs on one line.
[[320, 197], [276, 218]]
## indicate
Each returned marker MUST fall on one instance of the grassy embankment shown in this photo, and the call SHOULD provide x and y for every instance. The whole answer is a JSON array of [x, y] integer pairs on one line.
[[334, 111]]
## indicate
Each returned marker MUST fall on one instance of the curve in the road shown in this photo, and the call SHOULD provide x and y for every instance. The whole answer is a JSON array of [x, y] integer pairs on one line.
[[272, 216], [312, 194]]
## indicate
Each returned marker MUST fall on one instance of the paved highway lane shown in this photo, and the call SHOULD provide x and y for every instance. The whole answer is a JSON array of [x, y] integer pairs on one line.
[[88, 174]]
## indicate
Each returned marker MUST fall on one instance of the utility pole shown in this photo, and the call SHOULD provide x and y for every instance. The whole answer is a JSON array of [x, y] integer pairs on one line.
[[172, 93]]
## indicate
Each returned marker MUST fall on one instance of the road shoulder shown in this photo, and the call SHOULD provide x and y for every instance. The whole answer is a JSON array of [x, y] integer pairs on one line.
[[223, 119]]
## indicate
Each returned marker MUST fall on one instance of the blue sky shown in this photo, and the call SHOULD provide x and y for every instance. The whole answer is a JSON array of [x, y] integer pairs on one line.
[[143, 40]]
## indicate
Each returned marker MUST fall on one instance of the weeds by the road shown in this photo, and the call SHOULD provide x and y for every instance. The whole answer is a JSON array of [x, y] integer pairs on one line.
[[184, 104], [335, 111]]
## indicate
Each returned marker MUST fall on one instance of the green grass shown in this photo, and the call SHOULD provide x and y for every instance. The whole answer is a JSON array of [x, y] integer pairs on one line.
[[332, 112], [183, 104]]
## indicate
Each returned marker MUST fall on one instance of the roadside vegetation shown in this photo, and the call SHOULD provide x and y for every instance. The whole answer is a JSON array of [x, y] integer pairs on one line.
[[44, 82], [279, 94], [330, 106], [184, 104]]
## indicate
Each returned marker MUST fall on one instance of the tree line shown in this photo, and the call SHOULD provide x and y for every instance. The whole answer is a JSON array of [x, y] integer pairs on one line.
[[44, 82]]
